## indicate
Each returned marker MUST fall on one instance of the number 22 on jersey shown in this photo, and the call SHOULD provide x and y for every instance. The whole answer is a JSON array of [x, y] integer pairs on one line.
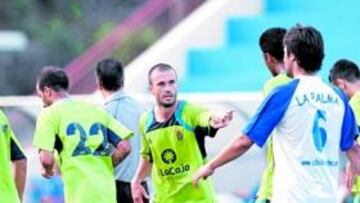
[[81, 148]]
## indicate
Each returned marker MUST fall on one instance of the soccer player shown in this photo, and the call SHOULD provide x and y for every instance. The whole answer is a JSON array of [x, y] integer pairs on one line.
[[77, 135], [346, 75], [173, 143], [310, 121], [110, 80], [271, 44], [12, 182]]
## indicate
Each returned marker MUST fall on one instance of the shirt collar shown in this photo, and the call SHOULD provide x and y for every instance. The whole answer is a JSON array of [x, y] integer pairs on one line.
[[115, 96], [308, 77]]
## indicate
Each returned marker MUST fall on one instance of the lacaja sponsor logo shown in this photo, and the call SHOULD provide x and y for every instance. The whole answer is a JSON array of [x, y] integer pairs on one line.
[[175, 170]]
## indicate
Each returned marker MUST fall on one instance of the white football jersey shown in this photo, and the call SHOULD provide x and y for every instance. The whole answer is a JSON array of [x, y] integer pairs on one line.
[[311, 122]]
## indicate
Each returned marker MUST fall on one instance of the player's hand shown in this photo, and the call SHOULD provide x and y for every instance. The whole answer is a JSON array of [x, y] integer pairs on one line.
[[138, 192], [47, 173], [117, 157], [349, 177], [203, 172], [221, 121]]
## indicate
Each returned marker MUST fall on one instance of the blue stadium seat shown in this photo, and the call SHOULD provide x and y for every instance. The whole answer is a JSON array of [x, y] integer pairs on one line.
[[238, 64]]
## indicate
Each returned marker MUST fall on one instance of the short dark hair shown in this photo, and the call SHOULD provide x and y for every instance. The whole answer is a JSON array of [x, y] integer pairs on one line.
[[271, 41], [110, 74], [161, 67], [54, 78], [307, 45], [344, 69]]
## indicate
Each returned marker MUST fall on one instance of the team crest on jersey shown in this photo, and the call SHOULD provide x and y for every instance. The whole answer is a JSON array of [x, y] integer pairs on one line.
[[179, 135]]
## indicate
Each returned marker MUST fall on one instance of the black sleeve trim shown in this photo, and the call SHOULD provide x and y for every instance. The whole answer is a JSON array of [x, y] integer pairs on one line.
[[113, 138], [58, 144], [206, 131], [212, 131], [151, 158], [16, 153]]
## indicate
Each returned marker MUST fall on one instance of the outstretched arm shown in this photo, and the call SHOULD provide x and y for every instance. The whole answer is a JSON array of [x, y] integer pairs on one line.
[[232, 151], [221, 121]]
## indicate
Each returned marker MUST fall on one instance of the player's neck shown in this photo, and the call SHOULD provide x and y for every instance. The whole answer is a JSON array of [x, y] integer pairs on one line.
[[164, 113], [357, 86], [106, 93], [354, 88], [298, 71], [61, 95], [279, 68]]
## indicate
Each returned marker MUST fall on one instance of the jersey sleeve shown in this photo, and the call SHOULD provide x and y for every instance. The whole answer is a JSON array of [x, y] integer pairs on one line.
[[16, 150], [270, 113], [46, 130], [349, 130], [145, 151], [201, 120], [117, 131]]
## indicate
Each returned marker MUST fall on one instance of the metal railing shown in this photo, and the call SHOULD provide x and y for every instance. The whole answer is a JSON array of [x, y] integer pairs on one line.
[[164, 14]]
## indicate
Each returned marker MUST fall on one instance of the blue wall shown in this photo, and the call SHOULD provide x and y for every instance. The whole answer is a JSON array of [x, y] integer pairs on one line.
[[238, 64]]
